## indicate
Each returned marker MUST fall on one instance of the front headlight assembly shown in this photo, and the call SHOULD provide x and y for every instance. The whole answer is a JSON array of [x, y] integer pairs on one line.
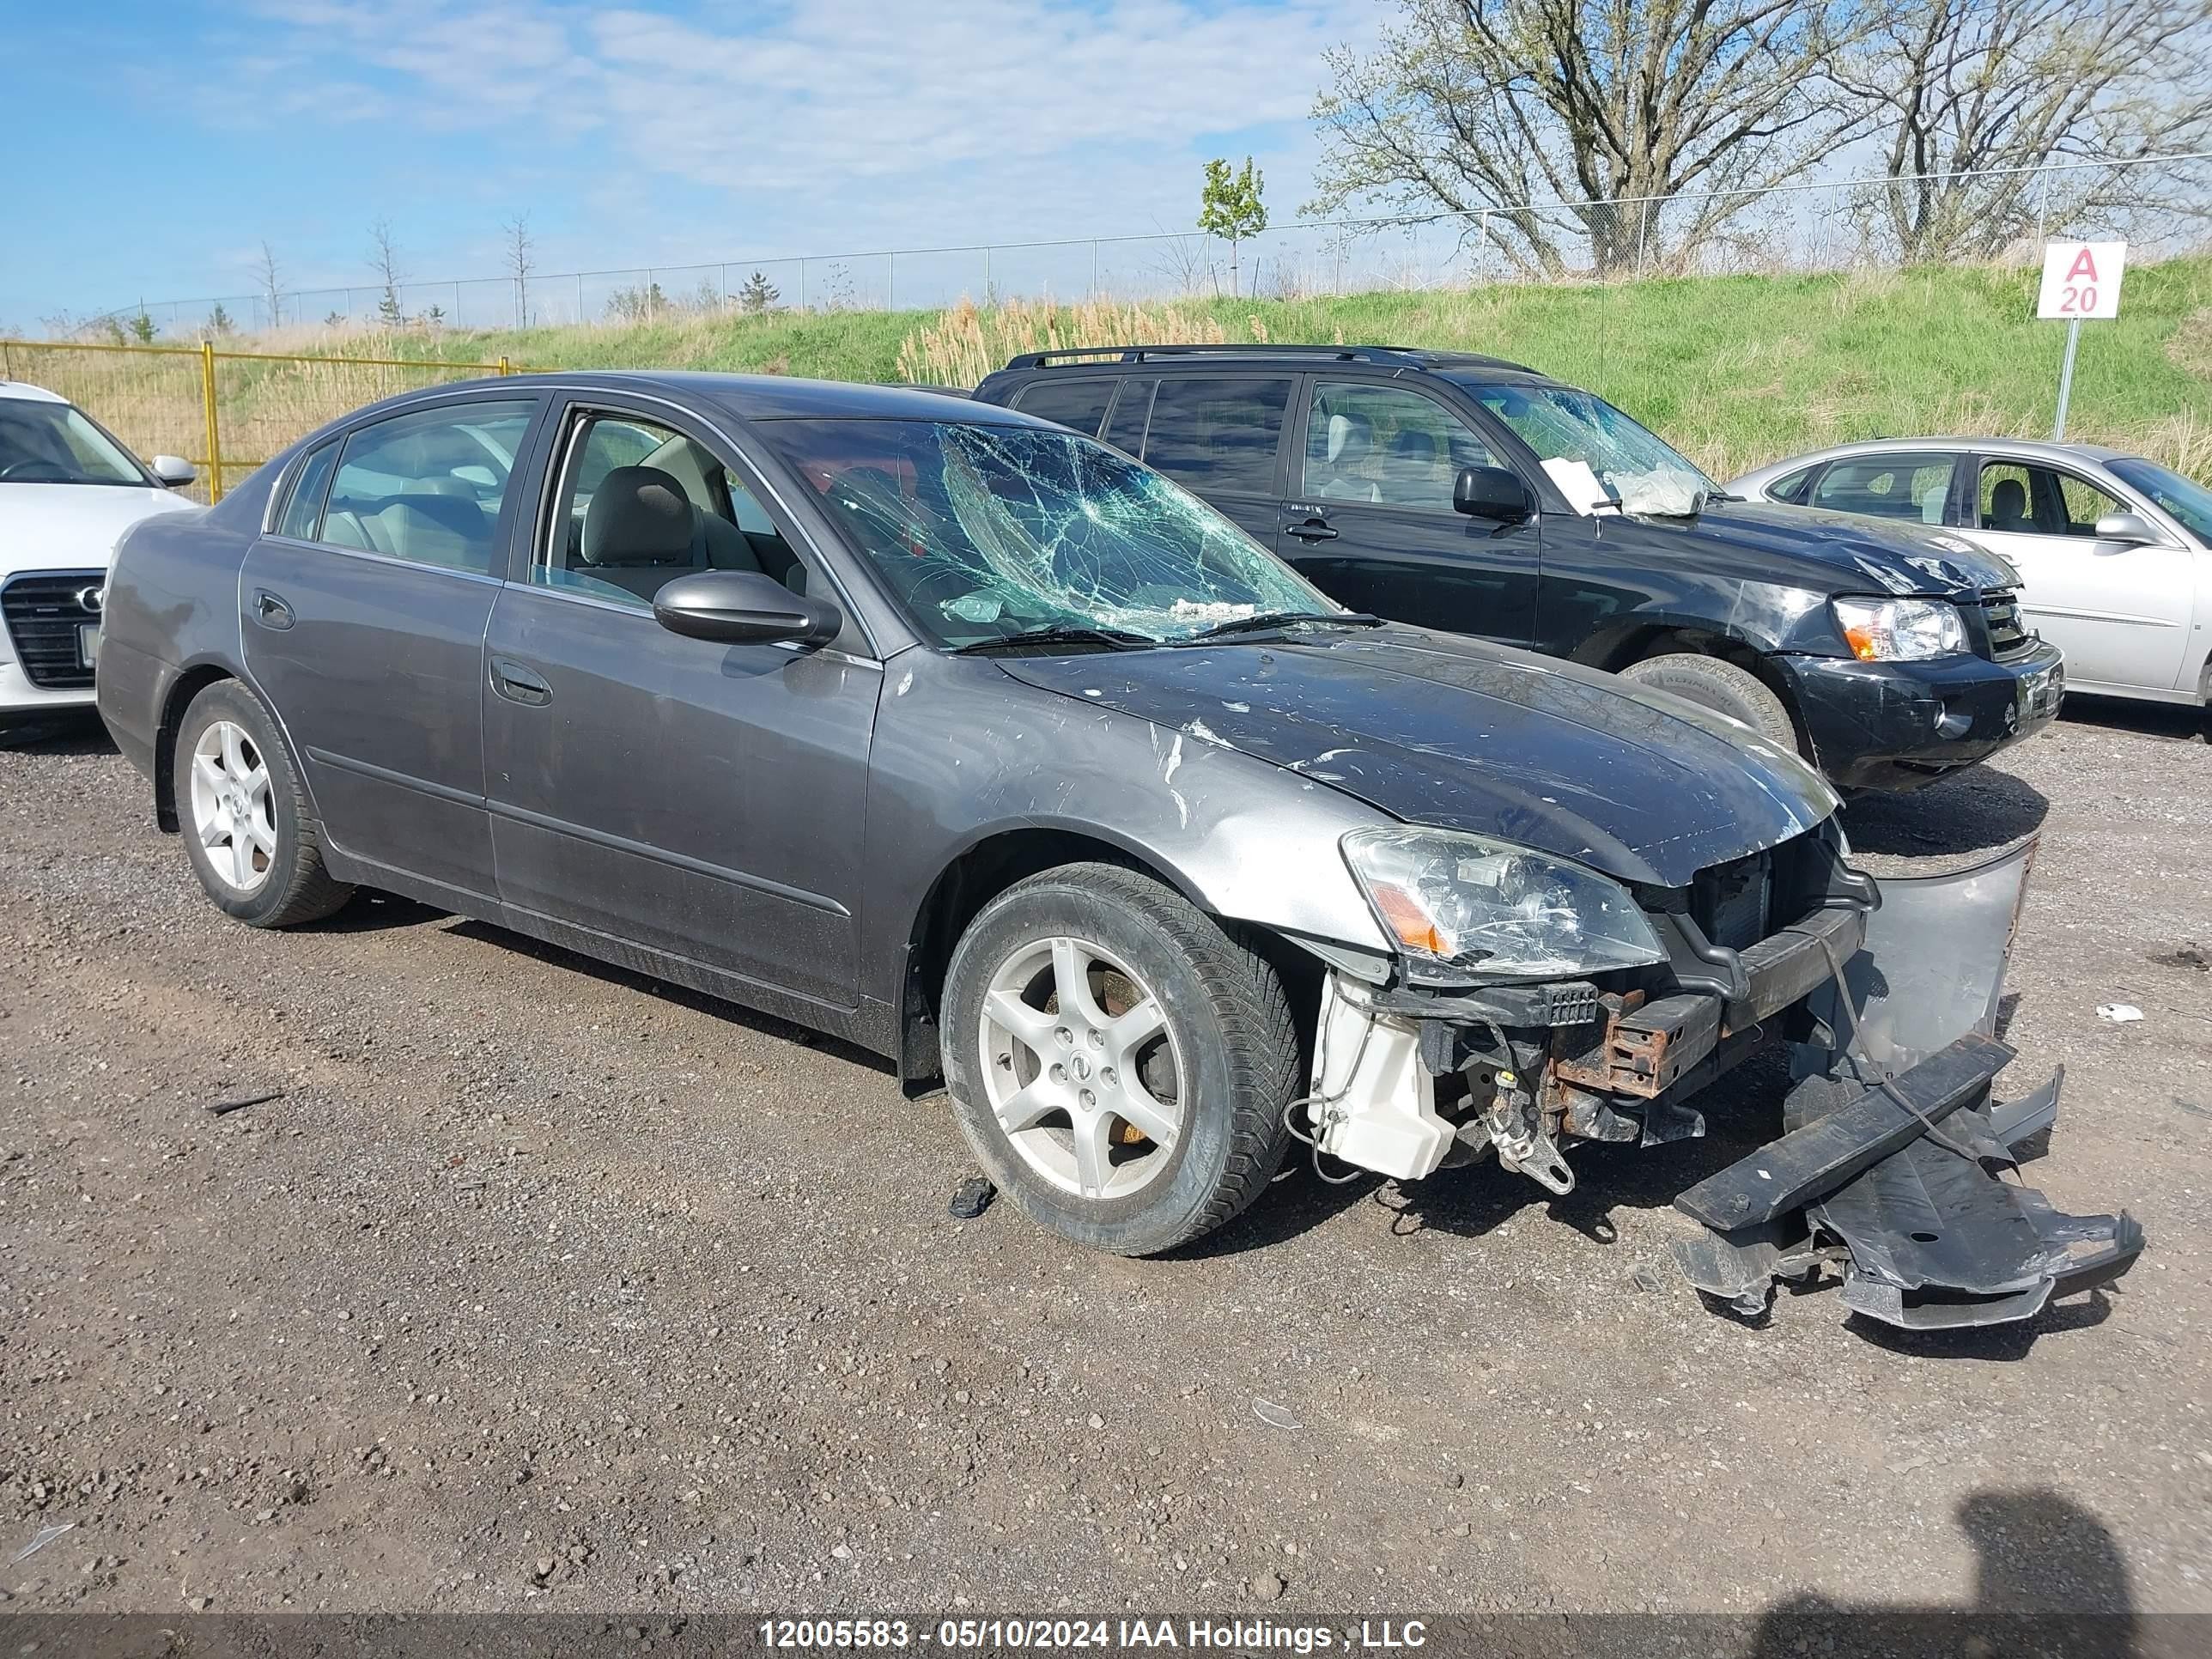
[[1461, 906], [1900, 630]]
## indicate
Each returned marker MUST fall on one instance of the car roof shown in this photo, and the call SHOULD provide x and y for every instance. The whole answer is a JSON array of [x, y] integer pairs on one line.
[[2036, 448], [775, 397], [24, 392]]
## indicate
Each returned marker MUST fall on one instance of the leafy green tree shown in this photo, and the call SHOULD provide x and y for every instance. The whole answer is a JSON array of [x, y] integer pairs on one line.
[[1228, 206], [758, 296], [141, 326], [219, 322]]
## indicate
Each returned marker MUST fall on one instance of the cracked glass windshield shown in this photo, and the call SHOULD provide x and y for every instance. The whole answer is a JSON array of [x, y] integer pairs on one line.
[[985, 532], [1564, 426]]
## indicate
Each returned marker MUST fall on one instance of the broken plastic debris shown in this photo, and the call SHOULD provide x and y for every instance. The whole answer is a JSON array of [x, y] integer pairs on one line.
[[1274, 1415], [46, 1536], [2120, 1013], [971, 1198]]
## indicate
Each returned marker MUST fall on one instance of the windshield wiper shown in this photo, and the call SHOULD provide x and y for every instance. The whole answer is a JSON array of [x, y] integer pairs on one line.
[[1060, 633], [1284, 619]]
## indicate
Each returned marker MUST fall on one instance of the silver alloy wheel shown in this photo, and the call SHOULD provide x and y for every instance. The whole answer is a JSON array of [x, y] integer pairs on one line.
[[1082, 1068], [231, 812]]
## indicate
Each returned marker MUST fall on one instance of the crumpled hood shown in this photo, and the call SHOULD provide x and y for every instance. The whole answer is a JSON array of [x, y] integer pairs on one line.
[[1440, 730], [1876, 555], [54, 527]]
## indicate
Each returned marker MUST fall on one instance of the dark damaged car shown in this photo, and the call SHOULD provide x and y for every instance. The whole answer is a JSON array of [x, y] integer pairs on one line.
[[986, 748], [1471, 495]]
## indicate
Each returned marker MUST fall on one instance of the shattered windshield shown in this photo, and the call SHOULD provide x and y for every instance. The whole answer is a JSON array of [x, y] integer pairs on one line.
[[984, 532], [1569, 430]]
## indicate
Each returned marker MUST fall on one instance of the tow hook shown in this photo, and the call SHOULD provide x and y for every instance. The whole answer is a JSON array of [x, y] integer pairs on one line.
[[1522, 1144]]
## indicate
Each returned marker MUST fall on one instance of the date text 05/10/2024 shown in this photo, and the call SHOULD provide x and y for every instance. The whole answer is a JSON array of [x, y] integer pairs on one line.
[[1054, 1634]]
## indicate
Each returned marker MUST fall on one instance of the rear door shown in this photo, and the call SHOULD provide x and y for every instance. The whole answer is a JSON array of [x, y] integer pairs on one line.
[[1220, 436], [1371, 520], [705, 801], [363, 622], [2121, 612]]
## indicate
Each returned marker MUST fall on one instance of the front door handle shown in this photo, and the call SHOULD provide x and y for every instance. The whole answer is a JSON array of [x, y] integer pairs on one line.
[[518, 683], [1312, 530], [270, 610]]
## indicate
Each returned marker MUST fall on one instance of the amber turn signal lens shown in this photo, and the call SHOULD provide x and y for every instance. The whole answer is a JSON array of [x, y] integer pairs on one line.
[[1860, 641], [1408, 920]]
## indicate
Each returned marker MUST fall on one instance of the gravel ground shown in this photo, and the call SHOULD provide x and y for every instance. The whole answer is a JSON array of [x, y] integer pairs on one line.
[[543, 1285]]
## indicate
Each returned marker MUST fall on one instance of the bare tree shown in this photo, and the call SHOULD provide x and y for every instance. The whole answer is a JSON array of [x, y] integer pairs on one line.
[[272, 288], [1958, 87], [384, 260], [1497, 105], [521, 260]]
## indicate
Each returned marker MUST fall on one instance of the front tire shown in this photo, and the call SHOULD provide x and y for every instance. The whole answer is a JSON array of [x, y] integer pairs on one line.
[[1119, 1065], [247, 830], [1723, 687]]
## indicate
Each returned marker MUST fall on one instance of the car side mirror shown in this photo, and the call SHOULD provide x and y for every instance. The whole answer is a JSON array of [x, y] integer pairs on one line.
[[744, 607], [1492, 493], [174, 470], [2128, 529]]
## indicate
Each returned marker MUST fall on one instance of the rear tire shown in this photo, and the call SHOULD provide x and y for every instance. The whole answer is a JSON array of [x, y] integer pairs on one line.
[[248, 832], [1125, 1143], [1722, 687]]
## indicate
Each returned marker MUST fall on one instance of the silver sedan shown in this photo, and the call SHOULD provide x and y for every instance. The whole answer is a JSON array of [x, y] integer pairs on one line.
[[2114, 551]]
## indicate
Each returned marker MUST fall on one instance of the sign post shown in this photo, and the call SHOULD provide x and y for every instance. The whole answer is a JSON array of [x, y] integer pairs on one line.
[[2080, 279]]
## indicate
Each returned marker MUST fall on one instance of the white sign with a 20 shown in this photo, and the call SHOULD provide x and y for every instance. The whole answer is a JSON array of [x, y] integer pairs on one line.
[[2080, 279]]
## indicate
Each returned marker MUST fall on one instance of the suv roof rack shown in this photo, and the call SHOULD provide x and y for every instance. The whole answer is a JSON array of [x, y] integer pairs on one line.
[[1403, 356]]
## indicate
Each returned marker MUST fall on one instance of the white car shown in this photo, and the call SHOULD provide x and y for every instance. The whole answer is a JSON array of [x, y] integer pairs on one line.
[[2114, 551], [68, 491]]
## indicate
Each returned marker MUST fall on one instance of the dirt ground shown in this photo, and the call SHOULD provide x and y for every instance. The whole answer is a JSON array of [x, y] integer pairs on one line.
[[543, 1285]]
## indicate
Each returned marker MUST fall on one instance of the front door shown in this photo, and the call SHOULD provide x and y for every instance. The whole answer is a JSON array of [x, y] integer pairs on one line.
[[2120, 612], [364, 613], [704, 801], [1371, 520]]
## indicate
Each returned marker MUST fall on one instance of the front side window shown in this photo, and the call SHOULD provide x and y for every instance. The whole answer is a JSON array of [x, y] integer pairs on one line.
[[1912, 487], [1790, 487], [1566, 427], [640, 504], [2040, 500], [2178, 497], [981, 532], [1379, 443], [1213, 433], [54, 443], [427, 487], [1079, 405]]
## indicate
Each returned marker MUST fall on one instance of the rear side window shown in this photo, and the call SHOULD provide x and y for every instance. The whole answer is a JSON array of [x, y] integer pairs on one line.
[[427, 487], [1078, 404], [1913, 487], [1213, 433], [303, 509], [1124, 431]]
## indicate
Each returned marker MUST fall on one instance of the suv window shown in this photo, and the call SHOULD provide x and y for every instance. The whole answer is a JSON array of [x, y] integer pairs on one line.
[[640, 504], [427, 487], [1912, 487], [1214, 432], [1126, 430], [1078, 404], [303, 509], [2039, 501], [1383, 444]]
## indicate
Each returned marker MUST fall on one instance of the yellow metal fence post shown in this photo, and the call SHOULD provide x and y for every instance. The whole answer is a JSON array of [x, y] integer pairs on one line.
[[214, 440], [505, 367]]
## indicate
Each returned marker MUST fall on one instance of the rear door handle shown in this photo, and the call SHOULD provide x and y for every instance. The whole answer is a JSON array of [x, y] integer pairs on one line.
[[270, 610], [1312, 530], [520, 685]]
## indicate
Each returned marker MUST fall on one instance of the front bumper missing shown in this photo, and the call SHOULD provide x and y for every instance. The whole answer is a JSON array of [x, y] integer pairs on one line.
[[1887, 1171], [1886, 1174]]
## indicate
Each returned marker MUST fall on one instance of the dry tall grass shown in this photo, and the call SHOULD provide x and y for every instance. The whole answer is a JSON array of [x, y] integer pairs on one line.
[[967, 343], [154, 401]]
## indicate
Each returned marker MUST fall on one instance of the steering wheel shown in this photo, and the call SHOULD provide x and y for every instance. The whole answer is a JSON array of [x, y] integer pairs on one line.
[[55, 471]]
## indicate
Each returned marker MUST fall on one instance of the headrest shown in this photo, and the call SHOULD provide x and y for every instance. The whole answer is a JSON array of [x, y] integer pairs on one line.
[[2008, 500], [638, 515], [1349, 432], [1413, 444]]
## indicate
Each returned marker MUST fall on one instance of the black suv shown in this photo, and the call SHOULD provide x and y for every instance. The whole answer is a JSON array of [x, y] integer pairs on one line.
[[1469, 494]]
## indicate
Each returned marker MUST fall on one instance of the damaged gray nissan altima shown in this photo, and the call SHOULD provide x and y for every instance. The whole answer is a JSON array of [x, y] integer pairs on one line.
[[983, 746]]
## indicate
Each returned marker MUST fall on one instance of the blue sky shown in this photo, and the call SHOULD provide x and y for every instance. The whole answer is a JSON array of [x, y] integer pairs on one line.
[[172, 138]]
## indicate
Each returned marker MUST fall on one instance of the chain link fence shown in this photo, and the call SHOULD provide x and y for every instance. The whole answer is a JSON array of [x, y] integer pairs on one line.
[[2162, 205]]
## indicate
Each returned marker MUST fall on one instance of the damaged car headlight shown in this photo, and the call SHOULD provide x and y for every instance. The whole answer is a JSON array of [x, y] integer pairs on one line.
[[1900, 630], [1490, 909]]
